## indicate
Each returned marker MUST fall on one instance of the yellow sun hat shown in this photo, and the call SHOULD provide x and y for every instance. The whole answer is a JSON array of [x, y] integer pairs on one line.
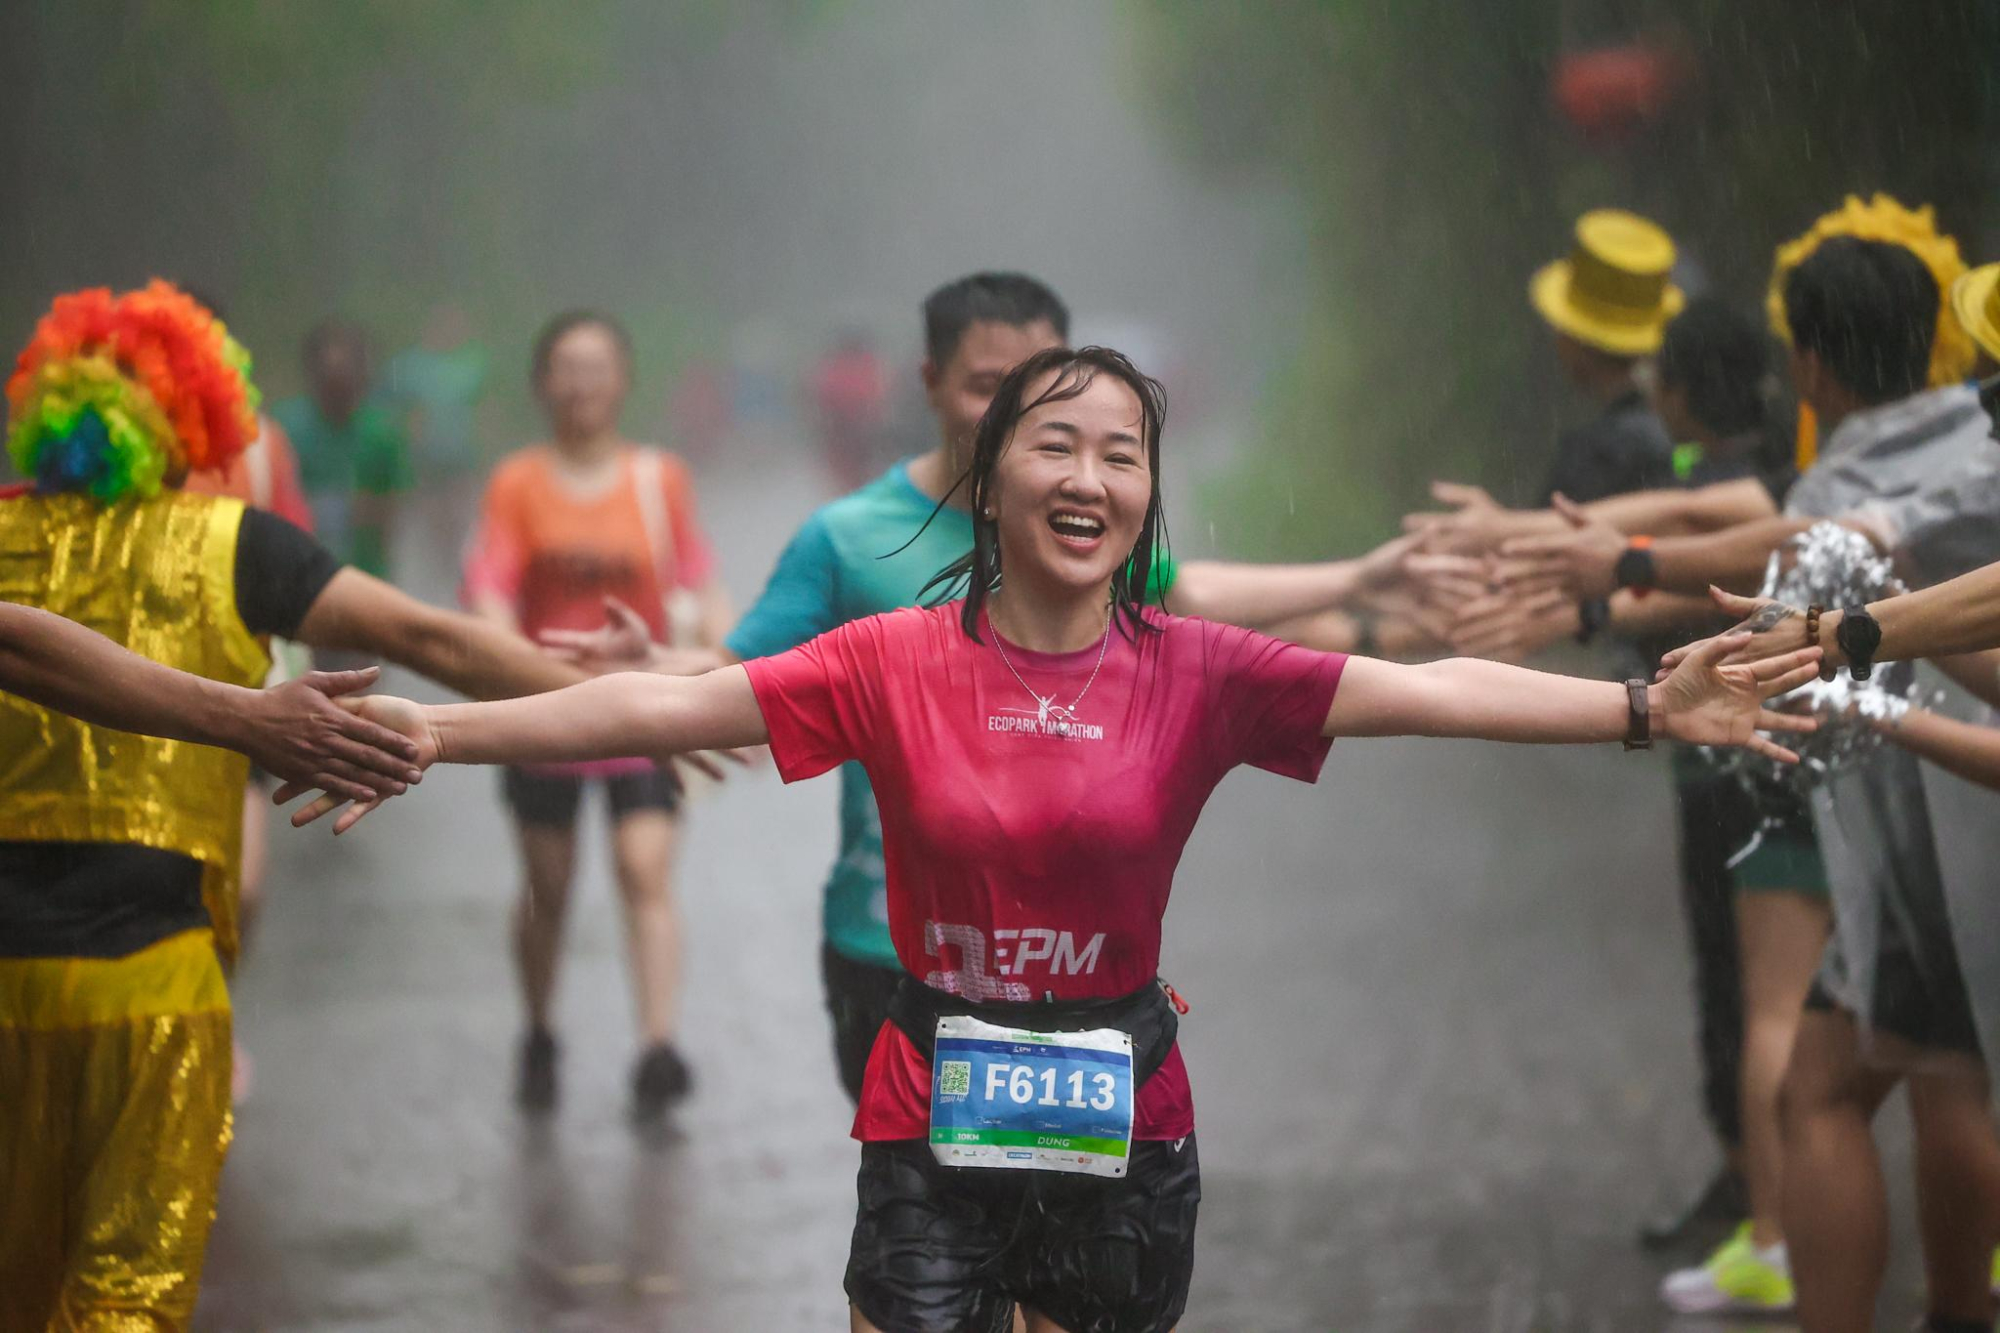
[[1975, 299], [1884, 218], [1612, 292]]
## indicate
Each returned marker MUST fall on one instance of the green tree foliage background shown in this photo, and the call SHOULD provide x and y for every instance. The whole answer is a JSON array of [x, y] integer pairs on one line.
[[1436, 174]]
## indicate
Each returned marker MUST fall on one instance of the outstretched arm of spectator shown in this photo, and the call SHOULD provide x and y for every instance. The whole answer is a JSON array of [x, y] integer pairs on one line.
[[1476, 524], [295, 731], [1960, 615], [1970, 751], [1259, 596]]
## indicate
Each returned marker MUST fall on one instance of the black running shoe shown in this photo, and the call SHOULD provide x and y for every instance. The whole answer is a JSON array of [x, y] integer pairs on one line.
[[660, 1079], [535, 1090]]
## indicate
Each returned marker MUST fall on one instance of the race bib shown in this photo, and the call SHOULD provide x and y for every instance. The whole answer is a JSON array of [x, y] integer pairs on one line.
[[1042, 1101]]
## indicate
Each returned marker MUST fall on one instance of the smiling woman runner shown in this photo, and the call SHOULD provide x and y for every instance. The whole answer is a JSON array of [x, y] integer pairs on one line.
[[1027, 1128]]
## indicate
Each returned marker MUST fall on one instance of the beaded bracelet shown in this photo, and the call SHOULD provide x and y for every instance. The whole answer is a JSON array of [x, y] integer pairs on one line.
[[1813, 613]]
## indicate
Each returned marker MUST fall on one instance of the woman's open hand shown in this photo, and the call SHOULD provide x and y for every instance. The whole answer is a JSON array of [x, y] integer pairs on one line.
[[1705, 701], [404, 717]]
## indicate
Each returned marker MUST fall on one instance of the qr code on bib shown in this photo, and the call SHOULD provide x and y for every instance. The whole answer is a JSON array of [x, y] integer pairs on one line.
[[955, 1078]]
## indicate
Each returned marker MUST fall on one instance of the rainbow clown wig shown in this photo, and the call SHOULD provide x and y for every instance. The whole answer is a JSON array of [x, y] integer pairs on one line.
[[116, 395]]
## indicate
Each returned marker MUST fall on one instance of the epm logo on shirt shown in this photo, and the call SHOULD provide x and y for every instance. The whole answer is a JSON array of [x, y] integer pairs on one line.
[[1012, 952]]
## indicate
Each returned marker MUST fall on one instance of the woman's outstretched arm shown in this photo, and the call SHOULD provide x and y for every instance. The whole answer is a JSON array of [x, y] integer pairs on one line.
[[629, 714], [1702, 702]]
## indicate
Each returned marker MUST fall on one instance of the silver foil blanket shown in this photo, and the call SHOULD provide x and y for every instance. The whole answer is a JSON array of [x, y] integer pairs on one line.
[[1830, 566]]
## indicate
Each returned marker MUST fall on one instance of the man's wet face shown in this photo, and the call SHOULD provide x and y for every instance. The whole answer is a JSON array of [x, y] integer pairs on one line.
[[960, 389]]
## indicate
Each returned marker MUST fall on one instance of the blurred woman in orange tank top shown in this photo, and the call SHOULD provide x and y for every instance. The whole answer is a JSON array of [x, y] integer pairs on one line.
[[567, 524]]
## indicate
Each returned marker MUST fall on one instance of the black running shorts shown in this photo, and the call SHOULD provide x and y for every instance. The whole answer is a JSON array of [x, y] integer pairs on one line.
[[1930, 1010], [1919, 993], [550, 800], [941, 1249]]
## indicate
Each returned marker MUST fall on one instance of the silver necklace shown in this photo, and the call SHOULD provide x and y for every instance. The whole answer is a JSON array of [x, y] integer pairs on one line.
[[1051, 715]]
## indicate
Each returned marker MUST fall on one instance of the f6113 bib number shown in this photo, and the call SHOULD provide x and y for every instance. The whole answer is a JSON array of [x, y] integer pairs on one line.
[[1025, 1085]]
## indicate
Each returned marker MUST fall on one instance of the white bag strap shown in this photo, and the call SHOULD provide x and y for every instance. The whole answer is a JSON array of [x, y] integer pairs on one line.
[[649, 477], [257, 463]]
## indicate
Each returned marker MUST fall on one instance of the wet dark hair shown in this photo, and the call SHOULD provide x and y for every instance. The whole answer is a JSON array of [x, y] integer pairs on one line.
[[1868, 310], [1014, 299], [976, 574], [331, 333], [563, 325], [1721, 360]]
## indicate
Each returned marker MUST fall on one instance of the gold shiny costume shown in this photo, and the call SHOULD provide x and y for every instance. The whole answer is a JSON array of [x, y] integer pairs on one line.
[[114, 1072], [114, 1106]]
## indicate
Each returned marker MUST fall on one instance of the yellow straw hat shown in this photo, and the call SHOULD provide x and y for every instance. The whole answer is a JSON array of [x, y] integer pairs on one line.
[[1975, 299], [1612, 292]]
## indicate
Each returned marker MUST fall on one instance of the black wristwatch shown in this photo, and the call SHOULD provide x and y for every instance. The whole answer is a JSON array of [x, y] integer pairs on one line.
[[1859, 636], [1638, 718], [1635, 568], [1591, 618]]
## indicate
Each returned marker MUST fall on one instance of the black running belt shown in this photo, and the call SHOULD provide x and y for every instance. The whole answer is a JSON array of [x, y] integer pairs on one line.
[[1145, 1014]]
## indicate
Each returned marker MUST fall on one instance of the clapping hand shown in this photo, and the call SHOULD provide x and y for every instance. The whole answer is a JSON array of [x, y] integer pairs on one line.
[[1473, 524], [1583, 561], [625, 643], [1510, 626], [1384, 566], [1766, 628]]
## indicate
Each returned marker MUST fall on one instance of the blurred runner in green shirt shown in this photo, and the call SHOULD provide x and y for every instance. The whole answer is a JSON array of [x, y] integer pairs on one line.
[[353, 460]]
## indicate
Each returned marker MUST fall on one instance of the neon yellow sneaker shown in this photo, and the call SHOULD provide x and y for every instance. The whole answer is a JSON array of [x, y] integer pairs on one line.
[[1738, 1278], [1994, 1282]]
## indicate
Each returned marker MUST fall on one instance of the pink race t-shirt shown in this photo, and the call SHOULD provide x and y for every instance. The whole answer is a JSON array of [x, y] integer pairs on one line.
[[1024, 864]]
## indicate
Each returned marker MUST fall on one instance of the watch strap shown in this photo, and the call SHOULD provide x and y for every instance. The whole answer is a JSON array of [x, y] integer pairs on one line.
[[1638, 715], [1813, 613]]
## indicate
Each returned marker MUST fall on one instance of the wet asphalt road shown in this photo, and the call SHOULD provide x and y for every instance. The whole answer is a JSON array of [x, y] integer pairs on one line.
[[1440, 1043]]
